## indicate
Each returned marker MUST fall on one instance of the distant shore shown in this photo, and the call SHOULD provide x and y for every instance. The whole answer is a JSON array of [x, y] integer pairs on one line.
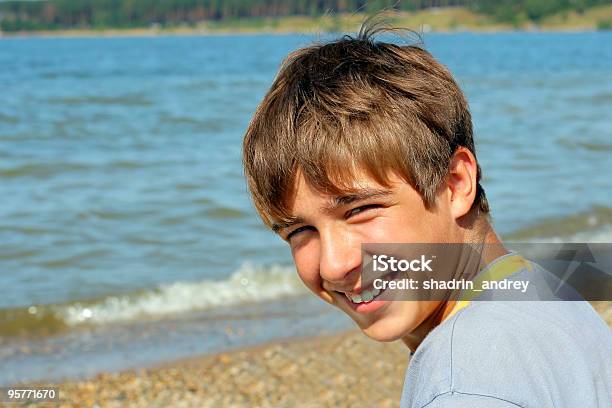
[[341, 370], [452, 19]]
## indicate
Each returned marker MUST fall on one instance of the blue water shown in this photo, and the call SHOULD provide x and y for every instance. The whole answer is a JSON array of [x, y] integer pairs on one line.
[[120, 159]]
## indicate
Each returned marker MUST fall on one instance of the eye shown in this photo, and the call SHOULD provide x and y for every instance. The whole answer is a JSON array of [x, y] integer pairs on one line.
[[298, 230], [361, 209]]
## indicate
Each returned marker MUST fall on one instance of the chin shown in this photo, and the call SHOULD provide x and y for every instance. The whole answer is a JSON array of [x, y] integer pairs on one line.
[[387, 330]]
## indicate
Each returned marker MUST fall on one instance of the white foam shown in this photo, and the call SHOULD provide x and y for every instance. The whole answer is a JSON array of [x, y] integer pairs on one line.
[[601, 235], [247, 284]]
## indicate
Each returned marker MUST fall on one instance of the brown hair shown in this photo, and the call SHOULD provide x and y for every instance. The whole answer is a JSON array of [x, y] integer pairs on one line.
[[355, 103]]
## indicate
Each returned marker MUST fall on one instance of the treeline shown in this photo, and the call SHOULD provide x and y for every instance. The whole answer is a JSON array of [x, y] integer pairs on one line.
[[53, 14], [135, 13], [534, 10]]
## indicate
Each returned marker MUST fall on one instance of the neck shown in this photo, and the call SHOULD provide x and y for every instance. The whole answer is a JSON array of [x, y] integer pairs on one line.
[[416, 337], [493, 250]]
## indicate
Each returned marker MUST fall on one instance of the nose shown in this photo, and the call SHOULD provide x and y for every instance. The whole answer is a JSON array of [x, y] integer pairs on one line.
[[340, 258]]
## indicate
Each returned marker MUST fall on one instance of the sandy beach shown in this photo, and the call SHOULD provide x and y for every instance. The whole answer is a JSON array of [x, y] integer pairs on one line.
[[341, 370]]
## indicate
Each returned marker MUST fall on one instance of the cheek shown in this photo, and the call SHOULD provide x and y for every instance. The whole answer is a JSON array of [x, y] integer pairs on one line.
[[306, 259], [401, 226], [393, 228]]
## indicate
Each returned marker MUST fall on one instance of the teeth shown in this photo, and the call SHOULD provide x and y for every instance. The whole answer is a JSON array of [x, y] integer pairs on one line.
[[366, 296]]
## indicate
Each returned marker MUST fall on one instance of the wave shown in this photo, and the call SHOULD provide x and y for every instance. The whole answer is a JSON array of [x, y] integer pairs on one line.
[[246, 285], [592, 226], [41, 169], [122, 100]]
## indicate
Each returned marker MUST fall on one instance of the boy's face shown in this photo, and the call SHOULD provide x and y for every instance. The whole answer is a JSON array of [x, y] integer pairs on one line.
[[326, 245]]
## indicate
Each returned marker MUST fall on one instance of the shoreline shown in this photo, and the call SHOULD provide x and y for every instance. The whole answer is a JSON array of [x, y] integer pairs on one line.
[[324, 370], [433, 20], [152, 33]]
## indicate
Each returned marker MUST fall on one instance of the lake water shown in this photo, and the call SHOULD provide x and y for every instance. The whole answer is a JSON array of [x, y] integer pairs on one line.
[[124, 203]]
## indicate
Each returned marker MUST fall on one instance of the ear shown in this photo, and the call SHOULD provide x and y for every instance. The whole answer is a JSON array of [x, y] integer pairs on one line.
[[462, 182]]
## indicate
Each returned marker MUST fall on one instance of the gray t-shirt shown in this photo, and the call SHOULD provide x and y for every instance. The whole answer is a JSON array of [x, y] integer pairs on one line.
[[514, 354]]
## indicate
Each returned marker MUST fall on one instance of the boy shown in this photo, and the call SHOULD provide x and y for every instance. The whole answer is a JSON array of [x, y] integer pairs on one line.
[[360, 141]]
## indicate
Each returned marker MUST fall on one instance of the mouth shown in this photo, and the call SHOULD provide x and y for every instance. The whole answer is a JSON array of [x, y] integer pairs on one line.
[[367, 300], [365, 296]]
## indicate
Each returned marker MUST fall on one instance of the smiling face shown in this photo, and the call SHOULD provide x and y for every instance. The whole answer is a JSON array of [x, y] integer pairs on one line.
[[326, 240], [358, 102]]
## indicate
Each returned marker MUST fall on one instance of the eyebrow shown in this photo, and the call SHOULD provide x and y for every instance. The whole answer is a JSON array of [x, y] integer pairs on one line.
[[277, 227], [358, 195], [337, 202]]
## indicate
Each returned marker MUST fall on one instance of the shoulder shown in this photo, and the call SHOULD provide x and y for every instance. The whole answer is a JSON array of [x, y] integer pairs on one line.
[[492, 349], [523, 325], [464, 400]]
